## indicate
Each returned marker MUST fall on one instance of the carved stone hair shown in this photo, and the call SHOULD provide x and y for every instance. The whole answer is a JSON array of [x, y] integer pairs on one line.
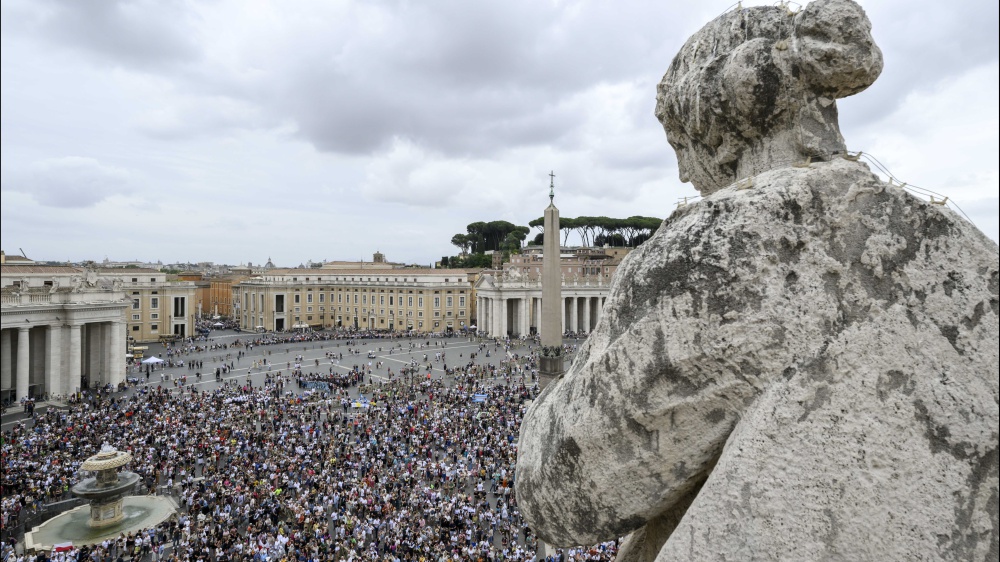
[[756, 89]]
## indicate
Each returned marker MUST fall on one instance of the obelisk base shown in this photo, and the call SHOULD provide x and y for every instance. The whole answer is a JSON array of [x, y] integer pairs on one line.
[[550, 369]]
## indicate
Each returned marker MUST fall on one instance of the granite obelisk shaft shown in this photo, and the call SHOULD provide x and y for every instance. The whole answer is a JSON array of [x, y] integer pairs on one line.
[[551, 366]]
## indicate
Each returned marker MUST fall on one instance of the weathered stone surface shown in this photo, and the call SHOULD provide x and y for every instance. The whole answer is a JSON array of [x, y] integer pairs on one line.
[[803, 370], [757, 88], [819, 353]]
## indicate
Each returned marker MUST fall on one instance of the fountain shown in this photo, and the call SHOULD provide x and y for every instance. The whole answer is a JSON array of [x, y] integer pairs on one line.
[[108, 487], [112, 511]]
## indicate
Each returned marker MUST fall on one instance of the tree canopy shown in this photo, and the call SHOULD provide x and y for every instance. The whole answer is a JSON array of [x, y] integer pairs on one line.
[[501, 236], [598, 231]]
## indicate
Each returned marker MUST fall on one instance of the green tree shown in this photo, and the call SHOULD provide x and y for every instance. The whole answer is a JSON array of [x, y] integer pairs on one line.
[[462, 242]]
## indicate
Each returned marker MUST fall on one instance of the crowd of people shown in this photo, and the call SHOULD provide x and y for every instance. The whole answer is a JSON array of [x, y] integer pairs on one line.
[[418, 466]]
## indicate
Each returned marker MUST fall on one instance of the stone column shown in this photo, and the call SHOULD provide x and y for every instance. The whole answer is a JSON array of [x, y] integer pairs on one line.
[[115, 361], [574, 314], [586, 315], [504, 316], [99, 351], [6, 360], [23, 361], [527, 316], [73, 371], [53, 359], [91, 352]]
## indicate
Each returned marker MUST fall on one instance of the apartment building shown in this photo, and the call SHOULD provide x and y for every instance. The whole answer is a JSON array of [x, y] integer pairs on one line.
[[423, 300]]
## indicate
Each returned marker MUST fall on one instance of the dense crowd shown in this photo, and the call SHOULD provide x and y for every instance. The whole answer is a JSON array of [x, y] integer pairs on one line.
[[419, 467]]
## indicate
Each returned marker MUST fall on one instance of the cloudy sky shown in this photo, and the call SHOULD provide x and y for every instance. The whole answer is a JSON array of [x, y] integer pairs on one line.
[[235, 130]]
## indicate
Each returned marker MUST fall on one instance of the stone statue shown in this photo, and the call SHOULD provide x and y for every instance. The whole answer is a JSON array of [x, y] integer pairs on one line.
[[802, 370], [757, 87]]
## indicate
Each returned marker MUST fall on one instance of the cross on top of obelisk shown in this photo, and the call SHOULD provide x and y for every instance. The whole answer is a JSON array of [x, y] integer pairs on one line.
[[552, 186]]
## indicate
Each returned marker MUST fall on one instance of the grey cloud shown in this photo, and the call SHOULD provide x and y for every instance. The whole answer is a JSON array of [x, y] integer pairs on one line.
[[70, 182], [463, 78], [924, 47], [134, 33]]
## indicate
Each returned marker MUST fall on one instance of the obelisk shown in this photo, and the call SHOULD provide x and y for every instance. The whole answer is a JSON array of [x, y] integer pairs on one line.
[[551, 366]]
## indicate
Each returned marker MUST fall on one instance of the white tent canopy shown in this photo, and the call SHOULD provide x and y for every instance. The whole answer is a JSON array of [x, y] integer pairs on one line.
[[150, 360], [218, 324]]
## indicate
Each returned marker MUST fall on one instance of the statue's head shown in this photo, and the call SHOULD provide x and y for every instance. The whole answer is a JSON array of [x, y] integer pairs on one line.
[[755, 89]]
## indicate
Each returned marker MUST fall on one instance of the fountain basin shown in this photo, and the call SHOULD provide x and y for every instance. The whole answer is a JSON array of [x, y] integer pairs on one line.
[[138, 512], [106, 502]]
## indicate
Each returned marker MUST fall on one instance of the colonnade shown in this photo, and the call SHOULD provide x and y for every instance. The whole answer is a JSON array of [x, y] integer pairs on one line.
[[60, 358], [521, 315]]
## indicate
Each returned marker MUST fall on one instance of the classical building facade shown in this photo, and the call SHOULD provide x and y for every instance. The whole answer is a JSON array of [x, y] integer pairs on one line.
[[373, 298], [63, 329], [509, 300], [66, 328], [159, 308]]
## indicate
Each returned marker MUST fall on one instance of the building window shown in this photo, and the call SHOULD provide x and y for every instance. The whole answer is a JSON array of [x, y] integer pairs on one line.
[[135, 305], [153, 316], [179, 306], [437, 302], [449, 301], [154, 302], [297, 299], [322, 297], [409, 301], [309, 298], [135, 328], [461, 302], [420, 302], [135, 279], [154, 327], [135, 317]]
